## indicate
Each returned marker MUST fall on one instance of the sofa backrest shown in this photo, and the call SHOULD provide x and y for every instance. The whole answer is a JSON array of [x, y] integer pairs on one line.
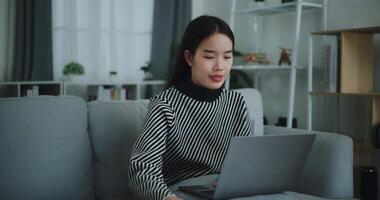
[[329, 165], [45, 152], [114, 127], [255, 108]]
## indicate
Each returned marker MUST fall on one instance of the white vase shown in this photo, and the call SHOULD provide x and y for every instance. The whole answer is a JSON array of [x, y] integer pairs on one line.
[[113, 78], [148, 76], [74, 78]]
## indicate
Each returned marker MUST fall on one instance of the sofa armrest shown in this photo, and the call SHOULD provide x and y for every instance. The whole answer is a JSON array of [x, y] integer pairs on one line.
[[328, 171], [45, 150]]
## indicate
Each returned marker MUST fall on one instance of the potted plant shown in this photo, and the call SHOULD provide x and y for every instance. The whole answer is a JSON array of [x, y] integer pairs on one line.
[[238, 58], [260, 2], [73, 71], [112, 76], [147, 73]]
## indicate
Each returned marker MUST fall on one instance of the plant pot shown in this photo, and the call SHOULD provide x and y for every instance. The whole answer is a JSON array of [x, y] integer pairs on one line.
[[238, 60], [260, 3], [74, 78], [148, 76], [112, 78]]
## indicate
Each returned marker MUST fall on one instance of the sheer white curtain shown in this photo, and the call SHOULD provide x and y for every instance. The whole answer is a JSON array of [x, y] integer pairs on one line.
[[102, 35]]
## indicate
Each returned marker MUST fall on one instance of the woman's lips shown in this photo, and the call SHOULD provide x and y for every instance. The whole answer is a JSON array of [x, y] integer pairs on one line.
[[217, 78]]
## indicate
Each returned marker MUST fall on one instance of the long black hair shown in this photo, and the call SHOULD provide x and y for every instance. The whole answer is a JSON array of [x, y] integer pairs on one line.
[[197, 30]]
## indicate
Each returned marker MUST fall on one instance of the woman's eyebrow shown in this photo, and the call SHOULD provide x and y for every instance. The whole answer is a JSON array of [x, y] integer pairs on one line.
[[208, 51], [212, 51]]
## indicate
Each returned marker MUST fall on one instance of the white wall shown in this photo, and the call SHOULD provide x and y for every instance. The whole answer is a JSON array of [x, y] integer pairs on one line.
[[277, 30], [219, 8]]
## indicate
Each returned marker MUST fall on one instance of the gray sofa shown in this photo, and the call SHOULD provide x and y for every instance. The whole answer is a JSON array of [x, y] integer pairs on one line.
[[62, 148]]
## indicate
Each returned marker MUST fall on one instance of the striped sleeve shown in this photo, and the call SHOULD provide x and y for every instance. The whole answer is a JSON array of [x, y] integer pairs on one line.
[[246, 120], [145, 172], [242, 127]]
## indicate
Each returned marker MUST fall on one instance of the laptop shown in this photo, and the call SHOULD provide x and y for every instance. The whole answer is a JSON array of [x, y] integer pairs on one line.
[[256, 165]]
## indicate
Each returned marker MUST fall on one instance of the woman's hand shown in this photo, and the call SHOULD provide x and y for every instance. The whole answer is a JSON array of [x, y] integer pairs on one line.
[[172, 198], [215, 184]]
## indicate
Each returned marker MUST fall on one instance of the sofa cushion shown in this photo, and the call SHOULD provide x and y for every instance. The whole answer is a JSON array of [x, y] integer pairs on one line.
[[328, 171], [114, 127], [210, 179], [255, 109], [45, 150], [330, 166]]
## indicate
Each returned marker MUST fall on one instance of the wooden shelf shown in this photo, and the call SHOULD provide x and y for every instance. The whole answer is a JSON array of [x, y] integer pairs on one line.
[[282, 8], [263, 67], [369, 30], [356, 48], [355, 79], [362, 148], [30, 88], [151, 82], [374, 95], [133, 90], [81, 89], [31, 83]]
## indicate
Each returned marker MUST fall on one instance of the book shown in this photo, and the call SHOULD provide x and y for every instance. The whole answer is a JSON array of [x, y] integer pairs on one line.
[[107, 93], [29, 92], [35, 91], [116, 90], [104, 93], [331, 64], [123, 93], [368, 126], [100, 93]]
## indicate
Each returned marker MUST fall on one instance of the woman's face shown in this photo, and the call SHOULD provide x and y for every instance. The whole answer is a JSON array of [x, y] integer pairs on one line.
[[212, 61]]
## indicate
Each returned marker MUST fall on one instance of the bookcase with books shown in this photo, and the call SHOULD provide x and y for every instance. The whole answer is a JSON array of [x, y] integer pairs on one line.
[[347, 62], [114, 90], [331, 62], [88, 91], [30, 88], [258, 12]]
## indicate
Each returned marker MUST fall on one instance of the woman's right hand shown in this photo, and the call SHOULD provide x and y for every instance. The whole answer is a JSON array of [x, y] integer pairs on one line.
[[172, 198]]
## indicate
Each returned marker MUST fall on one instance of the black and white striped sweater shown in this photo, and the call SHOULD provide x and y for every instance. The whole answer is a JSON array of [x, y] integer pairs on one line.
[[186, 134]]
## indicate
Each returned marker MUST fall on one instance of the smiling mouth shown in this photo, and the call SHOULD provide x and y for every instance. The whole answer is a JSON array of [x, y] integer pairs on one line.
[[217, 78]]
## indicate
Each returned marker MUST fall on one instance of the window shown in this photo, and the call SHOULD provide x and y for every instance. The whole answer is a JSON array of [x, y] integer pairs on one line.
[[102, 35]]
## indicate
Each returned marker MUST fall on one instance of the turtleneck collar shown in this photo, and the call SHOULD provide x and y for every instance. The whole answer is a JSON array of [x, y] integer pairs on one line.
[[198, 92]]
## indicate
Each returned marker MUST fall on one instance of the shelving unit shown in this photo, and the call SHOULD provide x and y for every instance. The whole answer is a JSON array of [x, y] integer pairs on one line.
[[356, 77], [297, 6], [355, 81], [132, 90], [257, 68], [30, 88], [274, 9], [87, 90]]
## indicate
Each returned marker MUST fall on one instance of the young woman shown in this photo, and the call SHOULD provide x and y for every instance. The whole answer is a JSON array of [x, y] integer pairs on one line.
[[189, 125]]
